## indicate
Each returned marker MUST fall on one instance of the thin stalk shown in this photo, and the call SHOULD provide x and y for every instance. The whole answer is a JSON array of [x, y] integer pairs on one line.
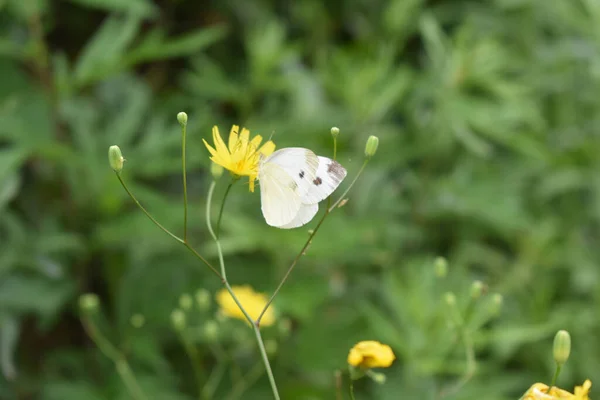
[[112, 353], [555, 377], [360, 171], [310, 238], [194, 356], [213, 381], [184, 174], [218, 229], [178, 239], [352, 389], [254, 324], [249, 379]]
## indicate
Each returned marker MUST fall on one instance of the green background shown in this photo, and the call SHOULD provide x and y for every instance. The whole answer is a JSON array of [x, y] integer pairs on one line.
[[487, 114]]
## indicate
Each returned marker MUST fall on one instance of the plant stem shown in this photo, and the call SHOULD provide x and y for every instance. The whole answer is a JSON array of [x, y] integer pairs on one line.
[[178, 239], [555, 377], [112, 353], [184, 174], [310, 238], [249, 379], [360, 171], [255, 324], [218, 229]]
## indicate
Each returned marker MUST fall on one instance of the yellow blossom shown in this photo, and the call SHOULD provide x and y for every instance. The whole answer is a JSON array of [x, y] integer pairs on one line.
[[241, 156], [253, 302], [371, 354], [539, 391]]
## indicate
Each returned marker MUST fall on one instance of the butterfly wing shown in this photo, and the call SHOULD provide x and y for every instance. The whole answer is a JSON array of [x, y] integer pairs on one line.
[[279, 198], [301, 164], [328, 176], [304, 215]]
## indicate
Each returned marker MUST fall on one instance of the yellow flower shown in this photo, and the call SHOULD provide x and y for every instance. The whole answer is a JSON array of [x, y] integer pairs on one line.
[[371, 354], [252, 301], [539, 391], [242, 155]]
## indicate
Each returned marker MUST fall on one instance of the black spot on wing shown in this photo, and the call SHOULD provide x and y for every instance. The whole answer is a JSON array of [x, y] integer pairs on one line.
[[317, 181], [301, 174]]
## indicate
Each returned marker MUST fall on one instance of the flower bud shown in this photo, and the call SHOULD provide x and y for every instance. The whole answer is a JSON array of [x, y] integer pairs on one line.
[[182, 118], [440, 265], [216, 170], [477, 288], [371, 146], [562, 347], [271, 347], [377, 377], [335, 131], [497, 301], [178, 319], [185, 302], [115, 158], [202, 299], [211, 330], [450, 298], [89, 303], [137, 320]]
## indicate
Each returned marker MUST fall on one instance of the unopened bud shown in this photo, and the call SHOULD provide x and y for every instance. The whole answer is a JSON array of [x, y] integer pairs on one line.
[[137, 320], [477, 288], [335, 131], [89, 302], [216, 170], [182, 118], [562, 347], [440, 266], [271, 347], [450, 298], [371, 146], [185, 301], [178, 319], [202, 299], [285, 326], [115, 158], [378, 377], [497, 301], [211, 330]]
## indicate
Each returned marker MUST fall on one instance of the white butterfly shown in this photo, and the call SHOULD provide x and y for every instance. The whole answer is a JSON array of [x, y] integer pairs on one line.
[[293, 181]]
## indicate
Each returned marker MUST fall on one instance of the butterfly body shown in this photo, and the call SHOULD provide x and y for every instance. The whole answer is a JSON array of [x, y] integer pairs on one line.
[[293, 181]]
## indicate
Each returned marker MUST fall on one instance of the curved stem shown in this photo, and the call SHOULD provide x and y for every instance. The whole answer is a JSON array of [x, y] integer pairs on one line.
[[255, 324], [112, 353], [218, 229], [184, 174], [183, 242], [249, 379]]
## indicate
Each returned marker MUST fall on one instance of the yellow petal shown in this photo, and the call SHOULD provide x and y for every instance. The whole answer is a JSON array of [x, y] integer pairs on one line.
[[233, 137], [267, 148], [220, 145], [254, 143], [212, 151]]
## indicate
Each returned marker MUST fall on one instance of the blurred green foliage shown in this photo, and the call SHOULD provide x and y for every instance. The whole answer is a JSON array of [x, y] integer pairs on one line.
[[488, 119]]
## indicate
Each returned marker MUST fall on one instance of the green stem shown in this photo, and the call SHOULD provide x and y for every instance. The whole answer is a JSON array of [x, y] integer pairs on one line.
[[360, 171], [249, 379], [255, 324], [352, 389], [218, 229], [310, 238], [194, 356], [184, 173], [213, 381], [555, 377], [178, 239], [112, 353]]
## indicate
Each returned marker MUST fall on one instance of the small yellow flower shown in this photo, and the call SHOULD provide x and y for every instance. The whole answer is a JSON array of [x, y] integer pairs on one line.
[[539, 391], [252, 301], [242, 155], [371, 354]]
